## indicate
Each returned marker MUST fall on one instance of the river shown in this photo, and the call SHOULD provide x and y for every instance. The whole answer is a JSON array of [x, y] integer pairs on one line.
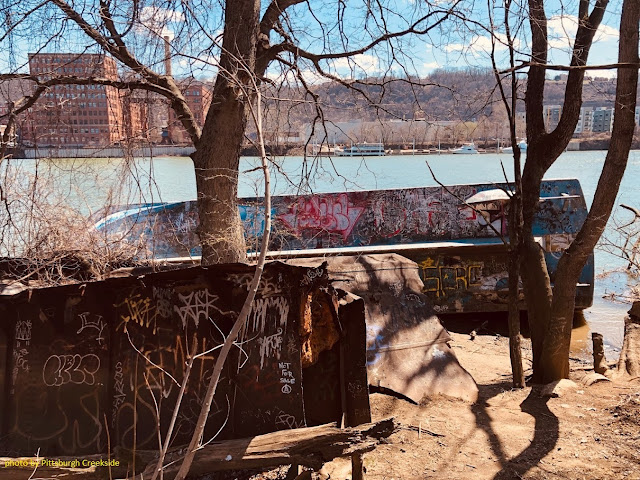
[[87, 184]]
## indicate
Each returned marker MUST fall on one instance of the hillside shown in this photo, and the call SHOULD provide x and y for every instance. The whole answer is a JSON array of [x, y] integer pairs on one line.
[[455, 95]]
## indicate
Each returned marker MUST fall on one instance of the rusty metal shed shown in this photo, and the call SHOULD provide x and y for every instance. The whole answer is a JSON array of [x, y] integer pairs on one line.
[[104, 360]]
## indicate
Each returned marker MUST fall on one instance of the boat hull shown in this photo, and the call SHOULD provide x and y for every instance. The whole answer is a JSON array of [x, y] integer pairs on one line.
[[461, 252]]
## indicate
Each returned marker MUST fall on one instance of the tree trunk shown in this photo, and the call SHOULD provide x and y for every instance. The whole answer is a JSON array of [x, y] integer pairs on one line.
[[515, 339], [552, 362], [537, 292], [629, 362], [217, 154], [599, 359]]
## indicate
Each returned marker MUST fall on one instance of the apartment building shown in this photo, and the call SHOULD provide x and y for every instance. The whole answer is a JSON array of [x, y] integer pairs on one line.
[[198, 96], [80, 115], [602, 119], [552, 114], [585, 121]]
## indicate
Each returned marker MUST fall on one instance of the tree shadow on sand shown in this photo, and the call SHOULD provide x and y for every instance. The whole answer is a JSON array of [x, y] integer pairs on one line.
[[545, 438]]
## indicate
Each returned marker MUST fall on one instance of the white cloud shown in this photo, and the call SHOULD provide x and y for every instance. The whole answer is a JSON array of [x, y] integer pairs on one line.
[[563, 28], [157, 20], [482, 45], [366, 62], [429, 67]]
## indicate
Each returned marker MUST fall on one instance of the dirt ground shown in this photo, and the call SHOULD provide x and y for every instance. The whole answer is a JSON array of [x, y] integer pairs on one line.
[[588, 433]]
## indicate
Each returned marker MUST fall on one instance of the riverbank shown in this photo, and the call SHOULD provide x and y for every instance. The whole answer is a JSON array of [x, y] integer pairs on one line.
[[586, 433], [149, 151]]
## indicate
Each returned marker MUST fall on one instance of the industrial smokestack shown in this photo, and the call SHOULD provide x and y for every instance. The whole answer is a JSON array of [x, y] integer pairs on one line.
[[167, 55], [167, 135]]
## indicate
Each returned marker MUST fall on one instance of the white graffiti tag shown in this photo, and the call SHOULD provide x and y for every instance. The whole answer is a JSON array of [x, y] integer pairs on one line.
[[270, 346], [20, 363], [195, 305], [23, 331], [276, 308], [63, 369], [162, 296], [118, 392], [94, 323]]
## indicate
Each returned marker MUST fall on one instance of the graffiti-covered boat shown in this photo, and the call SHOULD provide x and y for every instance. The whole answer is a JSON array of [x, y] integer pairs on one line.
[[457, 235]]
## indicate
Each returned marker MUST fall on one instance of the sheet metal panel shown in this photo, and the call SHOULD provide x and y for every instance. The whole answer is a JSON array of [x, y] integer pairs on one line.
[[84, 358]]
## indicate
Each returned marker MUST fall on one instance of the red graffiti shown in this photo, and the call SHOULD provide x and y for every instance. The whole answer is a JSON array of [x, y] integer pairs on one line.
[[328, 213]]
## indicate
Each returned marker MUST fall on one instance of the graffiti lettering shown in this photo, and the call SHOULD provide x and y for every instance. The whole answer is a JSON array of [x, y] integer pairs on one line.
[[23, 331], [329, 213], [195, 304], [162, 296], [94, 323], [286, 377], [139, 310], [284, 420], [270, 346], [268, 286], [118, 392], [20, 363], [311, 275], [185, 223], [63, 369], [439, 279], [276, 308]]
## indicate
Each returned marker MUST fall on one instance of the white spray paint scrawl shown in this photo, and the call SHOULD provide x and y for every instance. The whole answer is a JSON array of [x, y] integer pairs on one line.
[[260, 308], [195, 305], [270, 346]]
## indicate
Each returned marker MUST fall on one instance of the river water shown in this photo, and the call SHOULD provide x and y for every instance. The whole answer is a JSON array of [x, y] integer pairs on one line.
[[88, 184]]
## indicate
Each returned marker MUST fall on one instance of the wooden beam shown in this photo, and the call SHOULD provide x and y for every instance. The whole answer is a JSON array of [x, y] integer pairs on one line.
[[311, 447]]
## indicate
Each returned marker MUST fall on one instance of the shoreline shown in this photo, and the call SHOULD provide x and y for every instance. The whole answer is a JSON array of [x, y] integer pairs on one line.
[[284, 150]]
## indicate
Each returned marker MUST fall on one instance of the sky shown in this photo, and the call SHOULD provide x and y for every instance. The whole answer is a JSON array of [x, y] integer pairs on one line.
[[453, 45]]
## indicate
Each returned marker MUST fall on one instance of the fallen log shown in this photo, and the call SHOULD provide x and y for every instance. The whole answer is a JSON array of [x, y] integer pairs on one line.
[[311, 447]]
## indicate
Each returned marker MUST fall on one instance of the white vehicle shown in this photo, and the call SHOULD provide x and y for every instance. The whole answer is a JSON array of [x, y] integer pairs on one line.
[[466, 148], [363, 150], [522, 144]]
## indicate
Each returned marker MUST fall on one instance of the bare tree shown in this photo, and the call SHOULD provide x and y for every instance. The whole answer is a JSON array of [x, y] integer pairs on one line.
[[551, 307], [237, 40]]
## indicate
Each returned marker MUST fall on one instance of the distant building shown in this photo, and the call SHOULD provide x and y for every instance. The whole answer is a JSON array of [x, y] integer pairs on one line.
[[552, 114], [11, 140], [637, 116], [585, 121], [389, 132], [198, 96], [602, 119], [80, 115]]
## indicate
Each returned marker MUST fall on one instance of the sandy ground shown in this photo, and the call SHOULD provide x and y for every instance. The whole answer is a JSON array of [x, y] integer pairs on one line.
[[588, 433]]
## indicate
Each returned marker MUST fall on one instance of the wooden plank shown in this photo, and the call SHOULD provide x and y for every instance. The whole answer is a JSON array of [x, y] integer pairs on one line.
[[311, 447]]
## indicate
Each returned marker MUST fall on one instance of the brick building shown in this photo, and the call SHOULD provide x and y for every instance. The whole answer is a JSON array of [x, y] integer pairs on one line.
[[198, 96], [80, 115]]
